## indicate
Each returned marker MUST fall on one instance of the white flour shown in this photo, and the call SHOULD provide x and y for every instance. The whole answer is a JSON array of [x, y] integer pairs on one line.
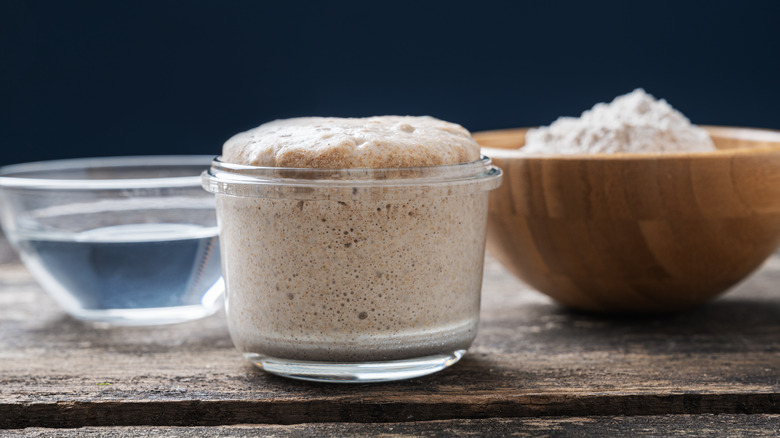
[[632, 123]]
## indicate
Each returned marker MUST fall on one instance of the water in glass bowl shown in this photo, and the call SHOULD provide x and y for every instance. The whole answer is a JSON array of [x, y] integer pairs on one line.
[[130, 274]]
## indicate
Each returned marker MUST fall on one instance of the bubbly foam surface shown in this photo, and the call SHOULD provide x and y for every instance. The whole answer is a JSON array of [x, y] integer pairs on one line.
[[338, 143]]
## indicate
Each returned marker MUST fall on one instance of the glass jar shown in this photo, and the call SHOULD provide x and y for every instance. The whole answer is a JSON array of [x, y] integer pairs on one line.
[[352, 275]]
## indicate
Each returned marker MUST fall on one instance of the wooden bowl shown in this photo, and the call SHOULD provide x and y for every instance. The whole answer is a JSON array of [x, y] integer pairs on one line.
[[636, 232]]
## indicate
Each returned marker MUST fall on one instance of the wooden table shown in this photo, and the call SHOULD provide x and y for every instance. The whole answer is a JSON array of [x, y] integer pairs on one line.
[[535, 368]]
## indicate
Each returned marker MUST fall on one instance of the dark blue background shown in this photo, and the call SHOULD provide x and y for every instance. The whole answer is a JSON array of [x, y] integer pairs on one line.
[[109, 78]]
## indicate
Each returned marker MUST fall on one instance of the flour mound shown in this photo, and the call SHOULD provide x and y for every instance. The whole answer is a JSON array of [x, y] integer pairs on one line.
[[632, 123]]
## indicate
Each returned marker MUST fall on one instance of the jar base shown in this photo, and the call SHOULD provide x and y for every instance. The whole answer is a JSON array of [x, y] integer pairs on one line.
[[356, 372]]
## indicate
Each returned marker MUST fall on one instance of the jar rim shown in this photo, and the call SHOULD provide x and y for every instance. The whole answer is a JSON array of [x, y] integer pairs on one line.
[[260, 181], [359, 173]]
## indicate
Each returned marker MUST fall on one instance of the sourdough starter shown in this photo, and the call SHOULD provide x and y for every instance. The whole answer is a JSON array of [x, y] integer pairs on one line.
[[382, 272], [353, 281]]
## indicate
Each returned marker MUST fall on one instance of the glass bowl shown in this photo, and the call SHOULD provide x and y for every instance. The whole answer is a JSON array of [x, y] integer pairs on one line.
[[120, 240]]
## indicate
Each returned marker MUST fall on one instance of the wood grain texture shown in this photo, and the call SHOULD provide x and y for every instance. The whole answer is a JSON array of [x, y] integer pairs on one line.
[[650, 425], [637, 233], [531, 358]]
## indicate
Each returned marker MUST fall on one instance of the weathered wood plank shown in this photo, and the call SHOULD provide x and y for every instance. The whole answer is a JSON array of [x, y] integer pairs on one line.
[[531, 358], [640, 426]]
